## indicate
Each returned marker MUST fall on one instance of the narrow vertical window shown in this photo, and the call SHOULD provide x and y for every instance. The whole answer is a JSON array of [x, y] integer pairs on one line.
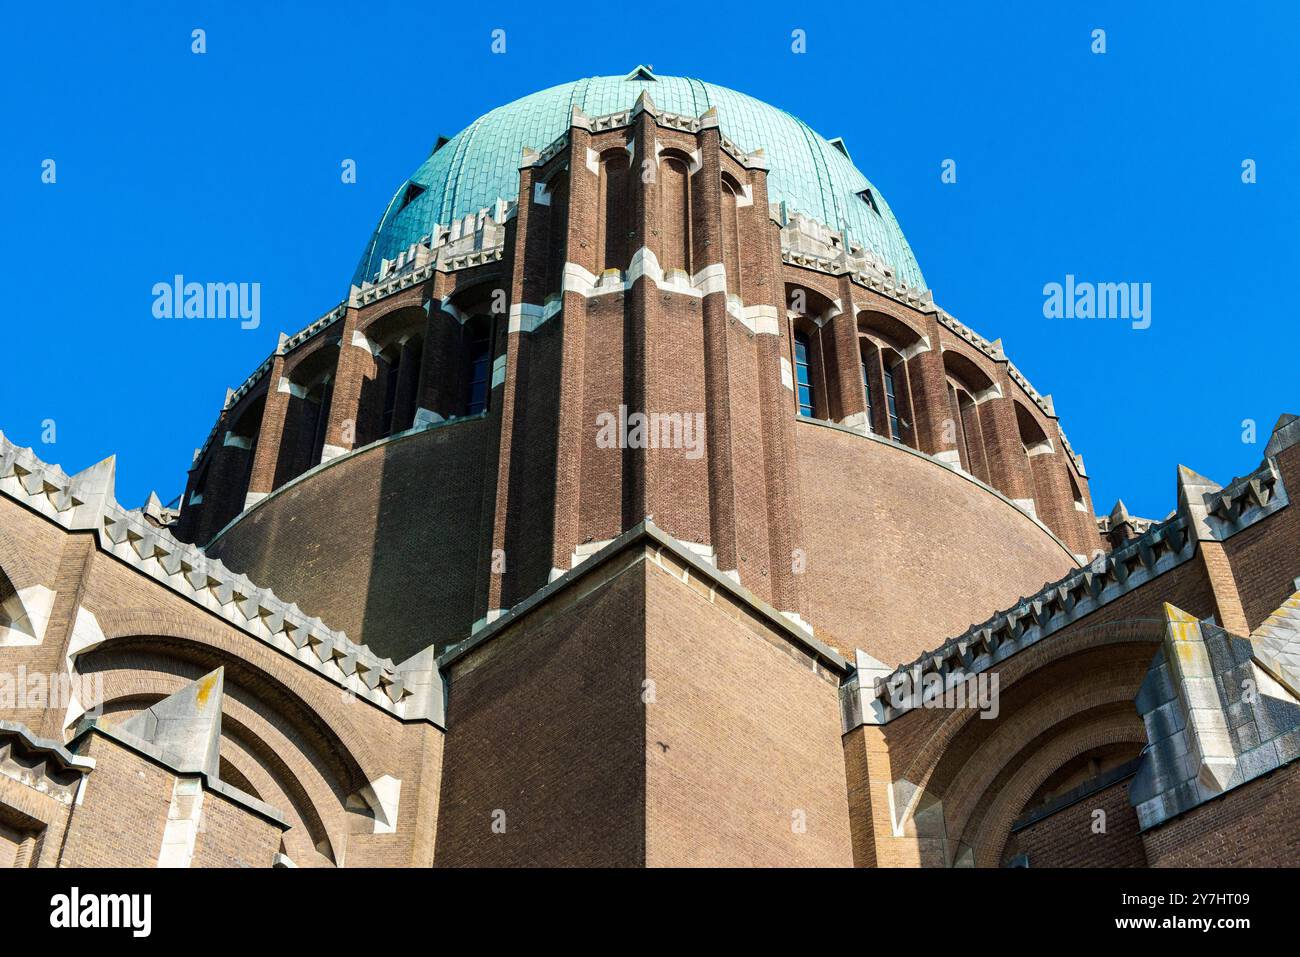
[[891, 403], [866, 394], [803, 379], [478, 363], [321, 425], [390, 391]]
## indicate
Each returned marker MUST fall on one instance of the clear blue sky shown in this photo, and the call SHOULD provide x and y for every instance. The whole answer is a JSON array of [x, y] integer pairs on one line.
[[1117, 167]]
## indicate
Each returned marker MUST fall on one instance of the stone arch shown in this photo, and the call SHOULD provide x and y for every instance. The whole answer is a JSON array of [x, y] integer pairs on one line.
[[999, 817], [1043, 742], [306, 700], [892, 331], [251, 758], [389, 399], [1047, 470], [1148, 632], [310, 384], [274, 740], [885, 344], [969, 387], [1033, 436], [812, 352]]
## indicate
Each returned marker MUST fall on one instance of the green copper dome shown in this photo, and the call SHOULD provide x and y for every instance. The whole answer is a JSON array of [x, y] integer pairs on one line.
[[481, 164]]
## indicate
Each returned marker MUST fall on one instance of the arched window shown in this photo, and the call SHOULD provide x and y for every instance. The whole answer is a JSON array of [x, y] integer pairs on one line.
[[478, 364], [802, 377], [401, 376], [968, 386], [883, 341], [317, 408], [1076, 495]]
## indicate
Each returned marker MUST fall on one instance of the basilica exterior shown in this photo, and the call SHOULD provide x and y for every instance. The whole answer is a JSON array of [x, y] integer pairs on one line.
[[639, 505]]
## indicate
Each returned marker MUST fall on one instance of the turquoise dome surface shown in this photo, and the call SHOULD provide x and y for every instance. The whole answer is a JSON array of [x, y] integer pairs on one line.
[[480, 164]]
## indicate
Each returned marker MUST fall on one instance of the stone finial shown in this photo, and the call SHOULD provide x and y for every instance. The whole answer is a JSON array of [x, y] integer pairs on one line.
[[93, 487], [153, 507], [1192, 489], [1119, 514], [644, 104], [185, 727]]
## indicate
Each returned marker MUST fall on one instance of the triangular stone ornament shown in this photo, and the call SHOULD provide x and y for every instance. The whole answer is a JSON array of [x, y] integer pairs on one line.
[[644, 104], [1211, 755], [94, 488], [185, 727], [1285, 434], [1192, 489]]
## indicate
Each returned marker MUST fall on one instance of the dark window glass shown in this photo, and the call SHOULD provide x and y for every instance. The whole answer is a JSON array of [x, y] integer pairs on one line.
[[866, 391], [480, 360], [390, 391], [891, 403], [801, 377]]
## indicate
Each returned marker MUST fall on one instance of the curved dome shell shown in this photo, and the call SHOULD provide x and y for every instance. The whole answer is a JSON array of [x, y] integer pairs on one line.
[[481, 164]]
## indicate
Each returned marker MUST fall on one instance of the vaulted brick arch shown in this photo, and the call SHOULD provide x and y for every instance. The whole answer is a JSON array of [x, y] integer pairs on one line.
[[1103, 726], [924, 748], [389, 397], [261, 755], [976, 775], [969, 786], [295, 694]]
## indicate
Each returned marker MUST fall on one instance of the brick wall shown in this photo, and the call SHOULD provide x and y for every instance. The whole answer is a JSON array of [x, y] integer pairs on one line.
[[1067, 839], [233, 836], [902, 553], [383, 546], [123, 812], [1254, 825], [743, 760], [546, 725]]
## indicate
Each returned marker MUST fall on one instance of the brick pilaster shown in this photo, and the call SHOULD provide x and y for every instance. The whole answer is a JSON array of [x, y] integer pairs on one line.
[[270, 434], [356, 365], [932, 426]]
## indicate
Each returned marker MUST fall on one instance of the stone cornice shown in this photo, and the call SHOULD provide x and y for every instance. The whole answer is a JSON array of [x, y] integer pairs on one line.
[[1033, 618], [646, 533], [84, 502], [1205, 512]]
